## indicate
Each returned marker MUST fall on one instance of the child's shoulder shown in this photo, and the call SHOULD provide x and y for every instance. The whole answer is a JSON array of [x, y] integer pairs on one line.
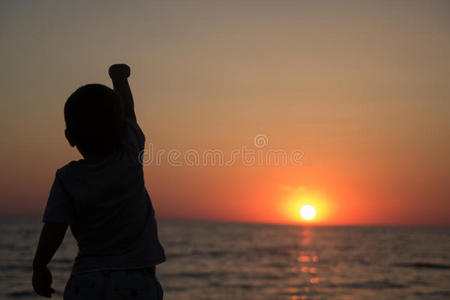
[[68, 168], [80, 168]]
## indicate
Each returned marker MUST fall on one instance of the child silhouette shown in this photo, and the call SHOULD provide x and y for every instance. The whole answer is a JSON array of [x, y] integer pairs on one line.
[[104, 201]]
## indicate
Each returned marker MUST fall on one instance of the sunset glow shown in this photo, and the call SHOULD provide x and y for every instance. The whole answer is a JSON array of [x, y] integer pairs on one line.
[[357, 89]]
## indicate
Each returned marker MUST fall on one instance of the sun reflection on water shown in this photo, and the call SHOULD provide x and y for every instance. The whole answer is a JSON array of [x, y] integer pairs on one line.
[[307, 265]]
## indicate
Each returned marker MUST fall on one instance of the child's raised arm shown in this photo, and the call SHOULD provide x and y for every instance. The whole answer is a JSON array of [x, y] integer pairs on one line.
[[119, 74]]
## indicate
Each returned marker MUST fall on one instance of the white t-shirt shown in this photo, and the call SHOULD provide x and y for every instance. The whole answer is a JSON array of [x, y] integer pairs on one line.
[[108, 209]]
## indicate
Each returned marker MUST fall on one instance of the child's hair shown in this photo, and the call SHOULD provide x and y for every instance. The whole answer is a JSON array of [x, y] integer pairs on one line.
[[94, 118]]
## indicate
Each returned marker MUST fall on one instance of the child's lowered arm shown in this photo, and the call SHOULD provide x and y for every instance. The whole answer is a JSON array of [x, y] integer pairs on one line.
[[119, 74], [52, 235]]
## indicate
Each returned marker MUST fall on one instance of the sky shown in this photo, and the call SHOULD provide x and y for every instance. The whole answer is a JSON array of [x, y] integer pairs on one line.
[[343, 105]]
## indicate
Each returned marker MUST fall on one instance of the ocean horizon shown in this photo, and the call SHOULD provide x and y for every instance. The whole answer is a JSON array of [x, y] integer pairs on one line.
[[238, 260]]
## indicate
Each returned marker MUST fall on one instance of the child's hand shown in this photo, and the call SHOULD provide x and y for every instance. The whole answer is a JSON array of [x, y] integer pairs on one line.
[[42, 281], [119, 71], [51, 237]]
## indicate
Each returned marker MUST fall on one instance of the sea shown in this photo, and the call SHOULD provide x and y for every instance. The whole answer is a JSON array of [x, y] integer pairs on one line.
[[214, 260]]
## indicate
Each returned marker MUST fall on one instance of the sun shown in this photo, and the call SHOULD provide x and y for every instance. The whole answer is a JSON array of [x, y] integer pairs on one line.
[[307, 212]]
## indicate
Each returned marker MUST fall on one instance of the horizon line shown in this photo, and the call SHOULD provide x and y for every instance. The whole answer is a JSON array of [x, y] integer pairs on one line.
[[298, 224]]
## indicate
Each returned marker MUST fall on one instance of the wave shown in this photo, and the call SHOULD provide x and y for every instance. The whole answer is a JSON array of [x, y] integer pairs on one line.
[[11, 267], [423, 265], [375, 285], [435, 293], [200, 275], [22, 294], [28, 293]]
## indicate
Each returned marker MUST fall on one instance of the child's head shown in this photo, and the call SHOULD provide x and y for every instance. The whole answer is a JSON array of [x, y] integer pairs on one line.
[[94, 119]]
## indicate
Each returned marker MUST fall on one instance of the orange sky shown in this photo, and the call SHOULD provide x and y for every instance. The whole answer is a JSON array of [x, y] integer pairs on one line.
[[360, 88]]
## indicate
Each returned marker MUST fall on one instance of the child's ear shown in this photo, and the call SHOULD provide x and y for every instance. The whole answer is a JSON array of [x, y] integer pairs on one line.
[[69, 138]]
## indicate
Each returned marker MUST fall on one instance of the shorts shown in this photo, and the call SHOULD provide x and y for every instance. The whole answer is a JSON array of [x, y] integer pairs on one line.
[[133, 284]]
